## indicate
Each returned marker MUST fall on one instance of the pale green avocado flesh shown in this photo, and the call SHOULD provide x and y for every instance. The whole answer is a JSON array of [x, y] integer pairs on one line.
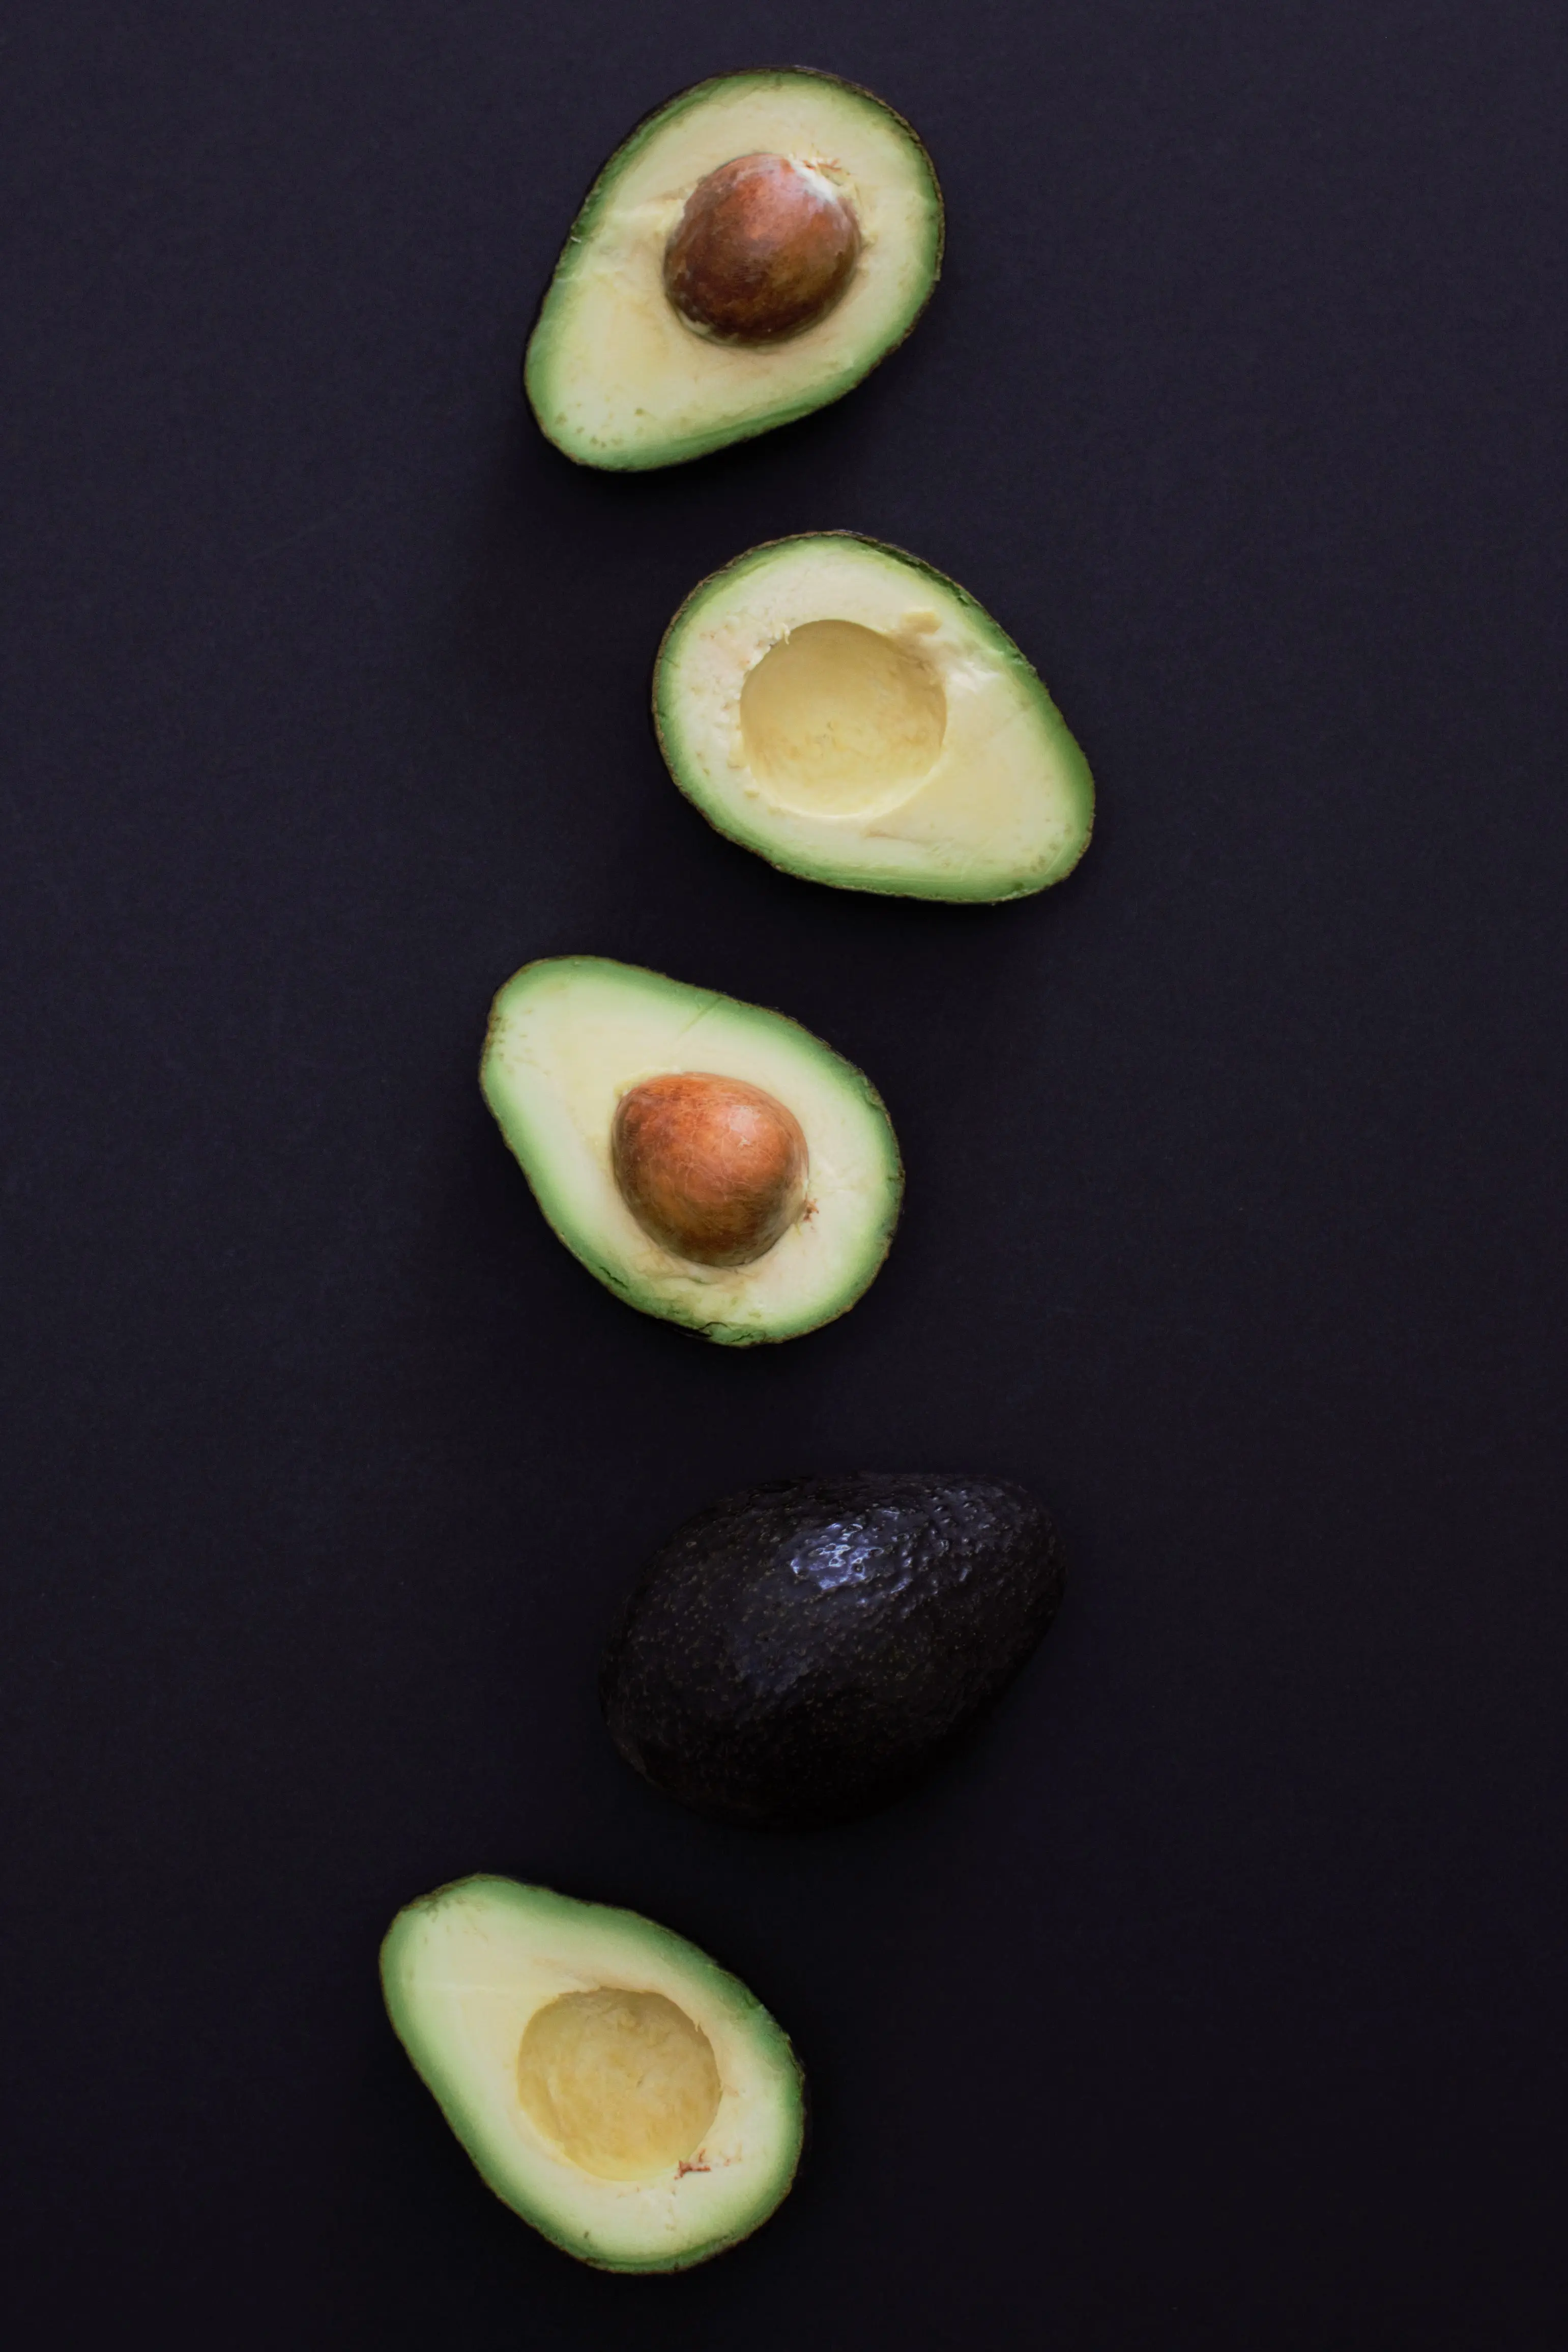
[[854, 716], [613, 2085], [617, 378], [571, 1036]]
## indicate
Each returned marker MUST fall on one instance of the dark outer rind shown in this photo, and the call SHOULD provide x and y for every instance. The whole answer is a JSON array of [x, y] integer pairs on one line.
[[599, 186], [801, 1652], [780, 866]]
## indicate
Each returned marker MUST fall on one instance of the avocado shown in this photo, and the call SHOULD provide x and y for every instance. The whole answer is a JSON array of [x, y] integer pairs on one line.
[[854, 716], [613, 2085], [749, 253], [711, 1162], [802, 1651]]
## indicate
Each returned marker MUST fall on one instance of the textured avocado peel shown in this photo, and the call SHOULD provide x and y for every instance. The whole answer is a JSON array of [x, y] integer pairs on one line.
[[804, 1652]]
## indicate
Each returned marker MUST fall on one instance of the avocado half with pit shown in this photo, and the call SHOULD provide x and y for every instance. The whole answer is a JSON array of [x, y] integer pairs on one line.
[[710, 1161], [854, 716], [749, 253], [613, 2085]]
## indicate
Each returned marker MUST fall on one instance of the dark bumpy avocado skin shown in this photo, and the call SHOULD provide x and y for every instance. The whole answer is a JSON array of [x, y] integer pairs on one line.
[[799, 1654]]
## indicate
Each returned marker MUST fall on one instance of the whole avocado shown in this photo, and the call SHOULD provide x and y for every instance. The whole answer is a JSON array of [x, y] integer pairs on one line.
[[799, 1652]]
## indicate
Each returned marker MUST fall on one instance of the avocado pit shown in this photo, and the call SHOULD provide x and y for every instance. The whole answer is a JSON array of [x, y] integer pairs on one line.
[[765, 246], [712, 1170]]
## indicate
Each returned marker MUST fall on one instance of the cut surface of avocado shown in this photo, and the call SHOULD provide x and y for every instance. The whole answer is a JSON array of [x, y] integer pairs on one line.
[[593, 1069], [855, 717], [613, 2085], [641, 355]]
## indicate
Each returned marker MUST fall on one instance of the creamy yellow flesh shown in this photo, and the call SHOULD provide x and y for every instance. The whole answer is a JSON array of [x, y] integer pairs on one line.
[[835, 717], [835, 706], [579, 1035], [617, 2089], [615, 369], [622, 2082]]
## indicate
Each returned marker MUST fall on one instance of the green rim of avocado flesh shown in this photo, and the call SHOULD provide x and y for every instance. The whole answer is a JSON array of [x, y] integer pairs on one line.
[[571, 1036], [508, 1999], [614, 376], [854, 716]]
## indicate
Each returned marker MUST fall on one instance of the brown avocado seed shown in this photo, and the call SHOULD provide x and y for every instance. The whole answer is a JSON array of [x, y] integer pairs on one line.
[[712, 1169], [764, 247]]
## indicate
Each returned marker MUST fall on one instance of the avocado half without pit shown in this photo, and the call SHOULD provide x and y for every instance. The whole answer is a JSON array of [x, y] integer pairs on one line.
[[710, 1161], [854, 716], [613, 2085], [806, 1651], [749, 253]]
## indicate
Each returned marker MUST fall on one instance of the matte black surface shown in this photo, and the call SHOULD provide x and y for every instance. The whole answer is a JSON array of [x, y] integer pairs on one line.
[[1217, 2002], [807, 1649]]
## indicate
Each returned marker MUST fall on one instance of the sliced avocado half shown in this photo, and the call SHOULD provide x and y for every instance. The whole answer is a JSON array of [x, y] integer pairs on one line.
[[710, 1161], [855, 717], [696, 304], [613, 2085]]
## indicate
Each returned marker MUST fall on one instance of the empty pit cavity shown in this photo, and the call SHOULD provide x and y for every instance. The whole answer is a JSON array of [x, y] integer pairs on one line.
[[838, 720], [625, 2083]]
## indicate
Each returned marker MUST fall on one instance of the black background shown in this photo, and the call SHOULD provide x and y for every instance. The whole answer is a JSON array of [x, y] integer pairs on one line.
[[1215, 2000]]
